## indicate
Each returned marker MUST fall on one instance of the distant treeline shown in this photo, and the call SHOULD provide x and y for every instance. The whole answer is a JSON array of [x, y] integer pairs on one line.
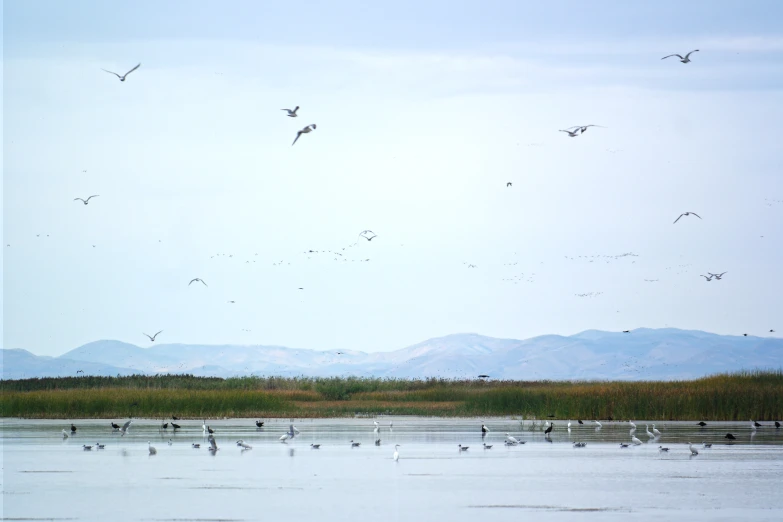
[[736, 396]]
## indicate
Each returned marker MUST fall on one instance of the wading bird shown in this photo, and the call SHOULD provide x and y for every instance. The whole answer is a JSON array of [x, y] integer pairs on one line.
[[683, 60], [115, 426], [702, 424], [636, 441], [259, 424], [694, 451], [73, 428], [85, 201], [662, 449], [487, 446], [484, 429], [730, 436], [462, 448], [65, 434], [656, 432], [315, 446], [87, 448], [241, 444], [396, 455], [152, 449], [355, 444], [122, 78]]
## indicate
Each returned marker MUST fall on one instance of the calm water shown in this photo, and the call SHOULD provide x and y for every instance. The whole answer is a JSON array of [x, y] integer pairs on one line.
[[46, 477]]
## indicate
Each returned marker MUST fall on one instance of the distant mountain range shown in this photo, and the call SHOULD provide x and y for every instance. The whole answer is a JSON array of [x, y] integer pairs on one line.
[[661, 354]]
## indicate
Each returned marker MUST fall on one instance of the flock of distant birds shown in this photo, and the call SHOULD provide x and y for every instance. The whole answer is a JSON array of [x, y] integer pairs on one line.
[[572, 132], [654, 435]]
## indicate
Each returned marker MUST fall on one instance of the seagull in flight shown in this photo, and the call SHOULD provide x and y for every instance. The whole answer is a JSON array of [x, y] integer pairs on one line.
[[572, 133], [683, 60], [369, 235], [197, 279], [686, 214], [152, 337], [583, 128], [716, 276], [306, 130], [705, 277], [508, 184], [122, 78], [291, 113], [85, 201]]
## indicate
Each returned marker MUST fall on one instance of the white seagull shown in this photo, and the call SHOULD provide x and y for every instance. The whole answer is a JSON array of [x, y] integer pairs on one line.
[[291, 113], [686, 214], [197, 279], [306, 130], [707, 278], [717, 276], [694, 451], [85, 201], [152, 337], [290, 434], [241, 444], [683, 60], [573, 133], [65, 434], [152, 449], [511, 439], [122, 78], [396, 455], [126, 426], [369, 235]]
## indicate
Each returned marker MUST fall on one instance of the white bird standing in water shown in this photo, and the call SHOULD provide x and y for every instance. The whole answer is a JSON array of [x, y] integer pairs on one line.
[[656, 432], [511, 439], [694, 451], [649, 433], [598, 424], [241, 444], [569, 425], [396, 455], [636, 441], [65, 434], [152, 449], [633, 426], [204, 425]]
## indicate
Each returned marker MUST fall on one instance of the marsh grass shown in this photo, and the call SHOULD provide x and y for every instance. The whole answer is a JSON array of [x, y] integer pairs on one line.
[[735, 396]]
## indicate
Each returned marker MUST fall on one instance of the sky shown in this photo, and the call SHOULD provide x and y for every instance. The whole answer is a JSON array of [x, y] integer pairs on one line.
[[424, 112]]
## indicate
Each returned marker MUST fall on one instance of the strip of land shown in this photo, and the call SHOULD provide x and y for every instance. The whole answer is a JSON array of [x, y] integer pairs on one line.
[[726, 397]]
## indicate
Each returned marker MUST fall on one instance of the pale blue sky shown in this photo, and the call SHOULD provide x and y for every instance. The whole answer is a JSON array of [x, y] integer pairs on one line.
[[424, 112]]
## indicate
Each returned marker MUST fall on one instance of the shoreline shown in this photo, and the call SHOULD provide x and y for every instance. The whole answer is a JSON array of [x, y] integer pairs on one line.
[[728, 397]]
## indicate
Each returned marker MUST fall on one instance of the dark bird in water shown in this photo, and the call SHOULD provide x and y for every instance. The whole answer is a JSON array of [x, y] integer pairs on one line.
[[580, 422], [686, 214], [197, 279], [626, 331], [624, 445], [115, 426], [73, 428], [484, 430], [259, 424], [306, 130], [755, 424], [152, 337], [683, 60], [174, 418], [777, 424], [165, 425], [730, 437], [175, 426], [702, 423], [744, 335], [85, 201], [122, 78], [210, 430], [291, 113], [549, 429]]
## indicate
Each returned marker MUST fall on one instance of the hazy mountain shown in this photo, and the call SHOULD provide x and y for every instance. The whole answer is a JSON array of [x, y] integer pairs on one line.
[[642, 354]]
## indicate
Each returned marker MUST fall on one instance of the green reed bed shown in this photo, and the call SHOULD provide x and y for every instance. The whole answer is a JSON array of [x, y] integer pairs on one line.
[[736, 396]]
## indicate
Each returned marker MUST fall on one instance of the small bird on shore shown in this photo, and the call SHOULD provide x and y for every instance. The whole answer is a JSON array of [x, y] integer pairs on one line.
[[754, 424], [210, 430], [579, 421], [175, 426], [86, 448], [306, 130], [355, 444], [100, 446], [291, 113], [487, 446], [85, 201], [122, 78], [662, 449], [686, 214], [196, 445], [683, 60], [462, 448]]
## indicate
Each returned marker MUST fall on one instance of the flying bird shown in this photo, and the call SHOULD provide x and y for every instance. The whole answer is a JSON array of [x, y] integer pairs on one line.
[[85, 201], [583, 128], [291, 113], [306, 130], [369, 235], [686, 214], [197, 279], [508, 184], [152, 337], [716, 276], [125, 428], [705, 277], [683, 60], [573, 133], [122, 78]]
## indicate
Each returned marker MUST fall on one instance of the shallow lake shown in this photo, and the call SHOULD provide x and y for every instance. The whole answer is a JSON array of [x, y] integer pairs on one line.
[[48, 477]]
